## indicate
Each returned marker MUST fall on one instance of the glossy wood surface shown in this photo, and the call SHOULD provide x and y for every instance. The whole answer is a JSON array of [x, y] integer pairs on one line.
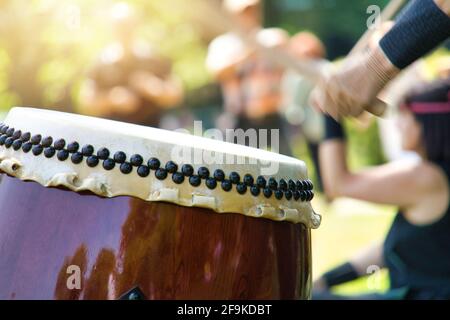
[[169, 251]]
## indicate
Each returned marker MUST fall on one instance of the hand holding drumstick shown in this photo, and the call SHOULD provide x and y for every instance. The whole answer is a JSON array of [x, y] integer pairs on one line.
[[353, 88]]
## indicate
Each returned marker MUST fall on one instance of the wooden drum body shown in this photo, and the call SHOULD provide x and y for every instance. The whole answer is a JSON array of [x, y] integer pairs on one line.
[[97, 209], [168, 251]]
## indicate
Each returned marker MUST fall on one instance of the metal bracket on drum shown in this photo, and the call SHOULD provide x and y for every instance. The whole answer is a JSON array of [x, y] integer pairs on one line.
[[133, 294]]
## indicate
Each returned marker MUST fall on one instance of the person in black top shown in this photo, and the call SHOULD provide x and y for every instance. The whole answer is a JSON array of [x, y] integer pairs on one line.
[[416, 251]]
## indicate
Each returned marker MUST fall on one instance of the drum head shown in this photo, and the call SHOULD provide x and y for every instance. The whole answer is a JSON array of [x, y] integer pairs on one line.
[[111, 158]]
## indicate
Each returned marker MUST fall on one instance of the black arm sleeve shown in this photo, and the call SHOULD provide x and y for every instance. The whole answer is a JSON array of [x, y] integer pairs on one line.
[[420, 27], [333, 129], [341, 274]]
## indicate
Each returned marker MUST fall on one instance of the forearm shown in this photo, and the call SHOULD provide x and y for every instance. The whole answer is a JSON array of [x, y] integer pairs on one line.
[[363, 264], [163, 92], [333, 166], [93, 102], [421, 26], [170, 95], [332, 157], [371, 256]]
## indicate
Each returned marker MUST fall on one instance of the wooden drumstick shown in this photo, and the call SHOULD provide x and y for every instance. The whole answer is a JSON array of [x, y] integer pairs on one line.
[[387, 14]]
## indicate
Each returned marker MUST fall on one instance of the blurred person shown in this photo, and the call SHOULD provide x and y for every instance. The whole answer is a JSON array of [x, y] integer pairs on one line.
[[416, 251], [296, 90], [411, 77], [130, 81], [250, 82], [421, 26]]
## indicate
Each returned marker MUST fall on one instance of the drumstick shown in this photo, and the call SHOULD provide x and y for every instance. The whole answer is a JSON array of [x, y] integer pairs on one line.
[[388, 12], [313, 69]]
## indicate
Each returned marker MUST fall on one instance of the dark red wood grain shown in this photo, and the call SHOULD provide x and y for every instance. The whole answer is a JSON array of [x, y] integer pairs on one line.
[[169, 251]]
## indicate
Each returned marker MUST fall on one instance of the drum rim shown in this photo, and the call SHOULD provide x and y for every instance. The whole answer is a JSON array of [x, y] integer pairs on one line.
[[16, 141]]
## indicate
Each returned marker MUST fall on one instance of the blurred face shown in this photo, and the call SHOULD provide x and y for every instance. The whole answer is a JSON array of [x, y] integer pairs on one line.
[[410, 131], [250, 17]]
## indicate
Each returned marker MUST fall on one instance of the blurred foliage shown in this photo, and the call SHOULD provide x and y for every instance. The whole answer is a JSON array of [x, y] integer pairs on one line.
[[339, 23], [47, 45]]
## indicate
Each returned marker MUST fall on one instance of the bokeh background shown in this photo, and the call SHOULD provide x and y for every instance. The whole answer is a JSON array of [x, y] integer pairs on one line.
[[47, 46]]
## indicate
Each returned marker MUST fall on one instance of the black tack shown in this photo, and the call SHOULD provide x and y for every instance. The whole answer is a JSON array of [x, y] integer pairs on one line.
[[4, 128], [77, 157], [16, 134], [303, 195], [59, 144], [219, 175], [296, 195], [171, 166], [288, 194], [120, 157], [278, 194], [261, 182], [3, 138], [153, 163], [310, 185], [103, 153], [161, 173], [226, 185], [126, 168], [203, 172], [47, 142], [177, 177], [283, 184], [136, 160], [49, 152], [92, 161], [241, 188], [272, 183], [37, 150], [267, 192], [109, 164], [310, 195], [248, 179], [255, 190], [26, 147], [187, 170], [211, 183], [10, 132], [73, 147], [87, 150], [62, 155], [143, 171], [235, 177], [292, 185], [36, 139], [25, 136], [299, 185], [17, 144], [195, 181], [8, 142], [305, 185]]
